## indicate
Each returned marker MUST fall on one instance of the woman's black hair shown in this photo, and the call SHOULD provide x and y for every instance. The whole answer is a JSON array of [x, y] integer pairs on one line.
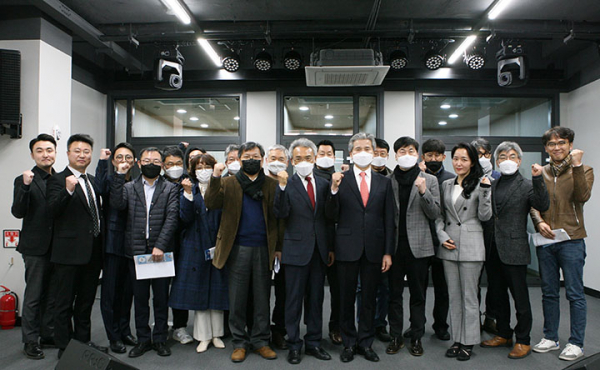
[[470, 182]]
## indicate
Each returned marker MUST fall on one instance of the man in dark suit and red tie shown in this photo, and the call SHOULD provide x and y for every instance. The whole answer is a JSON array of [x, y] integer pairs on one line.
[[362, 203]]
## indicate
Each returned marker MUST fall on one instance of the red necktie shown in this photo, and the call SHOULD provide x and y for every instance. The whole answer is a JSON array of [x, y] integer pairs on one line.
[[364, 189], [311, 191]]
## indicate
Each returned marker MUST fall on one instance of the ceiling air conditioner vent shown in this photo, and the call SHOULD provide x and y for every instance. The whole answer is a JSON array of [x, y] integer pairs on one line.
[[347, 67]]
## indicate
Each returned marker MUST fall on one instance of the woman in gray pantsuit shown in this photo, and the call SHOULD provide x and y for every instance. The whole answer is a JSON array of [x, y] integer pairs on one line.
[[466, 201]]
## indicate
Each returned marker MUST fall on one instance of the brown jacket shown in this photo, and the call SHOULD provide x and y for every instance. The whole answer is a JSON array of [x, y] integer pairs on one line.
[[568, 192], [226, 193]]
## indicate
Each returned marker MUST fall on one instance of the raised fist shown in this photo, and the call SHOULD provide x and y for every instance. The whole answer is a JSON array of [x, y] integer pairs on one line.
[[187, 185], [218, 169], [421, 184], [422, 166], [576, 155], [123, 167], [28, 177], [485, 180], [336, 180], [283, 178], [104, 154], [536, 169], [71, 182]]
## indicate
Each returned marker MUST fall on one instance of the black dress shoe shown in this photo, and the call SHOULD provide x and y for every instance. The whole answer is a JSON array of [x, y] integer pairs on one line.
[[453, 350], [117, 346], [347, 354], [97, 347], [442, 335], [278, 340], [489, 325], [318, 352], [382, 334], [130, 340], [47, 343], [140, 349], [335, 336], [407, 333], [33, 351], [368, 352], [396, 344], [465, 353], [416, 347], [294, 357], [162, 349]]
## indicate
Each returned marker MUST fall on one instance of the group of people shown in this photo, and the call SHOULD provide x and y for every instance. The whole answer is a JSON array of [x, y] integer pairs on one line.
[[366, 230]]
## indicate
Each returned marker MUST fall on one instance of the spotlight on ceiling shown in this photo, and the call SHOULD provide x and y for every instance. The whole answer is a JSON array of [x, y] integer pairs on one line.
[[434, 60], [475, 60], [292, 60], [398, 59], [231, 62], [263, 61]]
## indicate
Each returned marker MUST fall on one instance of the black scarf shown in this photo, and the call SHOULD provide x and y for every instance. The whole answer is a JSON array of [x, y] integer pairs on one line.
[[406, 178], [252, 188], [324, 173]]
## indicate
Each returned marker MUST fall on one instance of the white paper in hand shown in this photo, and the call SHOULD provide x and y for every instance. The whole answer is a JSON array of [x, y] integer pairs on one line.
[[147, 268], [560, 235], [277, 265]]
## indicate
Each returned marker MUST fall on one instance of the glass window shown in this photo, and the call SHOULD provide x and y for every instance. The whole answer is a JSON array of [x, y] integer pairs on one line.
[[120, 121], [216, 116], [486, 116], [318, 115]]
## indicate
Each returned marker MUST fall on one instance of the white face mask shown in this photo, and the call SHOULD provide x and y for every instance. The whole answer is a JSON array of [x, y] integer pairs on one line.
[[234, 167], [407, 161], [362, 159], [325, 162], [162, 171], [204, 175], [174, 172], [486, 164], [508, 167], [275, 167], [379, 161], [304, 168]]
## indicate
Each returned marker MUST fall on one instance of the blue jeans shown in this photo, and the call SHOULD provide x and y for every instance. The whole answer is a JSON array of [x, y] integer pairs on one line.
[[570, 257]]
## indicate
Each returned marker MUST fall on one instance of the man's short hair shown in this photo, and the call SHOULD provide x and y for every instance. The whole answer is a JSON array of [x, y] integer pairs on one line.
[[507, 146], [433, 146], [151, 149], [361, 136], [280, 147], [560, 132], [249, 145], [41, 137], [231, 148], [380, 143], [172, 150], [303, 143], [481, 143], [122, 145], [326, 142], [85, 138], [405, 141]]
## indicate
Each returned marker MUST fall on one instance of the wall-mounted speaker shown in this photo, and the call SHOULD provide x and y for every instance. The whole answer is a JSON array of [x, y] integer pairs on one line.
[[10, 93]]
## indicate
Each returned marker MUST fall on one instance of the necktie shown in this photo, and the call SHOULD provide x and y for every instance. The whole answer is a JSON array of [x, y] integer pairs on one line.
[[311, 191], [364, 189], [92, 205]]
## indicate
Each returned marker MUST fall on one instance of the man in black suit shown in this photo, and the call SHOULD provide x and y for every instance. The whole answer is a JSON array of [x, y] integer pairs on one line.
[[117, 288], [306, 249], [152, 205], [74, 204], [363, 206], [29, 204]]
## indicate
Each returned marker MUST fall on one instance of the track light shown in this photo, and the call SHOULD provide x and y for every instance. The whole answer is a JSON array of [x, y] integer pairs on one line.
[[475, 60], [434, 60], [231, 62], [292, 61], [176, 8], [398, 59], [263, 61]]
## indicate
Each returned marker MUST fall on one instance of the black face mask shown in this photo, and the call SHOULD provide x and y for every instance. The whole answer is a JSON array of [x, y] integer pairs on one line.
[[433, 166], [251, 166], [151, 170]]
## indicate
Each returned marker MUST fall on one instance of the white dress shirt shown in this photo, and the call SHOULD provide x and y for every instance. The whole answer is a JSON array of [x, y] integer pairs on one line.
[[357, 172], [148, 193], [81, 181]]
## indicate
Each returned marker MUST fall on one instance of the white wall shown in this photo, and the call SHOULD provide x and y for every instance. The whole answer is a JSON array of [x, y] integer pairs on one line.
[[580, 111], [398, 118], [261, 117]]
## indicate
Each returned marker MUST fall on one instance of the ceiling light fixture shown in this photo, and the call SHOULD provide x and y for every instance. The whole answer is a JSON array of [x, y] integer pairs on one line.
[[193, 118], [304, 108], [208, 49], [329, 125], [445, 106], [475, 60], [231, 62], [181, 111], [329, 116], [176, 8], [434, 60], [237, 118], [204, 125], [453, 115], [498, 8], [292, 61], [442, 123], [263, 61], [461, 48], [398, 60]]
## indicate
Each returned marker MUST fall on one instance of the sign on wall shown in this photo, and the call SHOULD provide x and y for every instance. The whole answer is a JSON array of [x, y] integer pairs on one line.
[[11, 238]]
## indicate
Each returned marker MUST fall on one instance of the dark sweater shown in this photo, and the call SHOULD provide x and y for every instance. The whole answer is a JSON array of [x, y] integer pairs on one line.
[[252, 230], [504, 184], [405, 181]]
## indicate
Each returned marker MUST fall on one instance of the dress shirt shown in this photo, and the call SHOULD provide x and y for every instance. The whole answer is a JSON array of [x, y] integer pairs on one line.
[[81, 181], [148, 193], [357, 172]]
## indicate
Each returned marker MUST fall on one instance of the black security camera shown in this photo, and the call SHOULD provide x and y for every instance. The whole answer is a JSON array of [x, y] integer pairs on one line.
[[169, 70], [513, 70]]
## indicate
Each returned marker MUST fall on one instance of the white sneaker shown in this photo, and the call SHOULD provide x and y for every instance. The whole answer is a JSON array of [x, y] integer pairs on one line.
[[218, 343], [546, 345], [182, 336], [203, 346], [571, 352]]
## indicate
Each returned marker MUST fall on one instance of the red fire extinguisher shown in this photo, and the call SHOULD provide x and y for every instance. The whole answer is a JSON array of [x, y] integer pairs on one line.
[[8, 308]]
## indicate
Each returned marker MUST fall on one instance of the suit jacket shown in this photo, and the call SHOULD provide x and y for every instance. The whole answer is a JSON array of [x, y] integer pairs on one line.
[[441, 176], [227, 193], [164, 214], [420, 211], [361, 229], [305, 226], [461, 222], [510, 217], [29, 203], [73, 238]]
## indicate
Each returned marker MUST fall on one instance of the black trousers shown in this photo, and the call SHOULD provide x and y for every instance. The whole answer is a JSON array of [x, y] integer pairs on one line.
[[442, 300], [141, 299], [37, 319], [334, 293], [416, 271], [180, 318], [75, 295], [370, 274], [278, 316], [514, 278], [116, 297]]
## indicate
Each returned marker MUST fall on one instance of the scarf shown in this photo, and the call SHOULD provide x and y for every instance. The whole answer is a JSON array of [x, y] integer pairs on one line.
[[406, 178], [252, 188], [559, 167]]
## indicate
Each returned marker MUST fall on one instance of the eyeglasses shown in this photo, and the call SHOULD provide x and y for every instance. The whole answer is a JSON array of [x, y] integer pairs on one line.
[[484, 154], [157, 162], [553, 144], [503, 157], [120, 157]]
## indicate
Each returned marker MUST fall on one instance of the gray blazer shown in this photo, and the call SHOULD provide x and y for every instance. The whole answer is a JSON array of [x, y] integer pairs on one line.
[[461, 222], [421, 209]]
